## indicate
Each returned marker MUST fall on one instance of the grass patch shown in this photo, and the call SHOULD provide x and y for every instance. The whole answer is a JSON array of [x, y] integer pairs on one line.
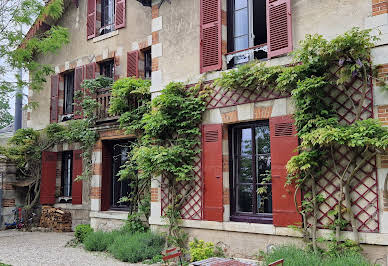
[[294, 256]]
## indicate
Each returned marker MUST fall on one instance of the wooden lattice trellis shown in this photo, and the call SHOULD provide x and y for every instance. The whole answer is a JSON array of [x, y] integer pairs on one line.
[[364, 189]]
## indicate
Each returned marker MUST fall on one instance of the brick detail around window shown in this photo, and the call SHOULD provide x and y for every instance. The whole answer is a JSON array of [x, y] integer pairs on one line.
[[154, 194], [155, 11], [9, 203], [143, 44], [155, 37], [379, 7], [262, 112], [8, 186], [111, 133], [225, 163], [95, 193], [230, 117], [97, 169], [384, 160], [383, 72], [226, 196], [382, 114], [155, 64]]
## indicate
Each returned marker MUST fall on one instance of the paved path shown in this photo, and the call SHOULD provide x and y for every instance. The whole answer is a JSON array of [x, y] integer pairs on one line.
[[38, 248]]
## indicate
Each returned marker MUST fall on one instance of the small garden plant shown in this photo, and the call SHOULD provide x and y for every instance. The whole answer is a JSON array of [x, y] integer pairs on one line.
[[133, 242], [82, 231], [201, 250], [294, 256]]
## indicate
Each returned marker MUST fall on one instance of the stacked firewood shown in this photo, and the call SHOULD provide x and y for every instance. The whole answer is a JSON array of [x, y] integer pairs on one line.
[[55, 219]]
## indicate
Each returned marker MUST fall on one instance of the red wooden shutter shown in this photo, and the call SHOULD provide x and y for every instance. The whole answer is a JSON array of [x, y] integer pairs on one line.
[[283, 146], [78, 78], [90, 71], [212, 172], [48, 178], [54, 99], [91, 19], [106, 176], [76, 189], [279, 27], [120, 14], [133, 64], [210, 46]]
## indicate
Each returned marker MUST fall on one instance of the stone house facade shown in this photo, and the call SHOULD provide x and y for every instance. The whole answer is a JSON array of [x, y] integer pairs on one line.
[[190, 40]]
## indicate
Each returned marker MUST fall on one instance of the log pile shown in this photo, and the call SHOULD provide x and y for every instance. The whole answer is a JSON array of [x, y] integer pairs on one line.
[[56, 219]]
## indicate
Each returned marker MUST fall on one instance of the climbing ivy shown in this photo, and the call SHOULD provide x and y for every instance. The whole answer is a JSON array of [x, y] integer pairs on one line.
[[26, 146], [319, 127], [168, 131]]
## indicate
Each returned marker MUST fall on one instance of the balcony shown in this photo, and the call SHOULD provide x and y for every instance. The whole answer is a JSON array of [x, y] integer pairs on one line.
[[246, 55], [103, 98]]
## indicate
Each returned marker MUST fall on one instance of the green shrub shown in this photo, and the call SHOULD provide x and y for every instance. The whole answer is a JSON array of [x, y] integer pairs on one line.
[[100, 241], [134, 224], [154, 260], [137, 247], [201, 250], [294, 256], [81, 231]]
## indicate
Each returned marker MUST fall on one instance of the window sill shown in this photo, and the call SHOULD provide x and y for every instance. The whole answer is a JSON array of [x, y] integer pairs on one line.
[[69, 206], [265, 219], [105, 36], [115, 215]]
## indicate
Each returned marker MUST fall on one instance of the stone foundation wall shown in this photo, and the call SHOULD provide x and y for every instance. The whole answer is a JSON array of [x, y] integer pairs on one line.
[[248, 245]]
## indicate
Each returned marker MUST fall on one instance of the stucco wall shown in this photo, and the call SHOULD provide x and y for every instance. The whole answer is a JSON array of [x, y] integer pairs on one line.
[[180, 33], [138, 29]]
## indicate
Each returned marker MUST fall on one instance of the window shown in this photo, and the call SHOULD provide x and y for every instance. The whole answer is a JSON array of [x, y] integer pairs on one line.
[[68, 93], [119, 188], [248, 30], [107, 68], [107, 16], [67, 173], [250, 172], [147, 64]]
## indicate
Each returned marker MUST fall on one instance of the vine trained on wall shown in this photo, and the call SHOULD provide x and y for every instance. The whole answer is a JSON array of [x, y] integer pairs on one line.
[[319, 126]]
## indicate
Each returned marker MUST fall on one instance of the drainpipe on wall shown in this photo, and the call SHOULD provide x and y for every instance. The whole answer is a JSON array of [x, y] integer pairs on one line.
[[19, 105], [19, 99]]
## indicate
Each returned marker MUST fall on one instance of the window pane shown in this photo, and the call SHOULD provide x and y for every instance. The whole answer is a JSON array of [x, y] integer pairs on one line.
[[68, 93], [262, 139], [263, 168], [241, 43], [244, 198], [66, 179], [245, 142], [241, 22], [264, 199], [245, 170], [240, 4], [119, 188]]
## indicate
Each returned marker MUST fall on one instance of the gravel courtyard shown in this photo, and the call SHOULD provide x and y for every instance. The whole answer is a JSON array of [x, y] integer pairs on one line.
[[38, 248]]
